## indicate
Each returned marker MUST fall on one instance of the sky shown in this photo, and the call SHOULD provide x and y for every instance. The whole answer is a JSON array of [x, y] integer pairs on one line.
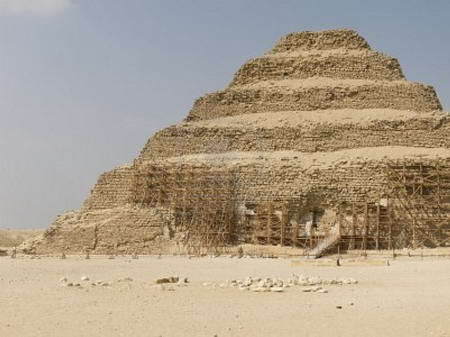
[[85, 83]]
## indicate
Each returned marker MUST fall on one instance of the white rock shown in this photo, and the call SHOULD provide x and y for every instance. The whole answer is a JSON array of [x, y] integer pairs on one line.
[[276, 289], [84, 278], [311, 289]]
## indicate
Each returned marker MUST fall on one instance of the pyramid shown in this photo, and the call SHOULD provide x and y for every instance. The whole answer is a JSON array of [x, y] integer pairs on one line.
[[307, 126]]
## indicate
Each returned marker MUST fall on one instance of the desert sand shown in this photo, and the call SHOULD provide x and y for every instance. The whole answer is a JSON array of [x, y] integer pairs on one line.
[[410, 297]]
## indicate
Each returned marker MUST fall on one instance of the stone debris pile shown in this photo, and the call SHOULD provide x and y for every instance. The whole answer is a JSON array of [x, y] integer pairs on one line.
[[308, 284]]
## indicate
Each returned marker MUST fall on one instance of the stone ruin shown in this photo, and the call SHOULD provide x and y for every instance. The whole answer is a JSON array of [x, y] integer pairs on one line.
[[319, 142]]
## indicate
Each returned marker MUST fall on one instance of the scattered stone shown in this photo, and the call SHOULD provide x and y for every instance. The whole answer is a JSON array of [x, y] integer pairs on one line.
[[171, 279], [84, 278], [125, 279], [347, 281], [307, 284], [339, 307]]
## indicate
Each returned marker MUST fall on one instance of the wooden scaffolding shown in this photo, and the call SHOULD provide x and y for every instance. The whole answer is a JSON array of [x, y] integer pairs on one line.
[[419, 202], [200, 198], [411, 210]]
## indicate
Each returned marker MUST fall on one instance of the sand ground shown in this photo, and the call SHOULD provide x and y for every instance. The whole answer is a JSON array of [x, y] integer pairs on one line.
[[411, 297]]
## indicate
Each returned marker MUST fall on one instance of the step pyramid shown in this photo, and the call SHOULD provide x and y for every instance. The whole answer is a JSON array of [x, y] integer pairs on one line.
[[321, 111]]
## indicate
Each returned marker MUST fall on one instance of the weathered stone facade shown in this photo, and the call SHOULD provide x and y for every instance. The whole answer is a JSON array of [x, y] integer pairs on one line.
[[319, 113]]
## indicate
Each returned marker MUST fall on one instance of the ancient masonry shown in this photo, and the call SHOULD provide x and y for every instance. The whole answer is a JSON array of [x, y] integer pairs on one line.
[[319, 143]]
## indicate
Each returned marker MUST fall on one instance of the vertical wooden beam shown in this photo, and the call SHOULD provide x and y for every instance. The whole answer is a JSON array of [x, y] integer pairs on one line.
[[295, 234], [366, 224], [284, 220], [269, 223], [377, 239], [390, 212], [354, 221]]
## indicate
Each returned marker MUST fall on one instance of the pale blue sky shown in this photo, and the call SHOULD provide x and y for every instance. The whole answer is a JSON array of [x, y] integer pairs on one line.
[[84, 83]]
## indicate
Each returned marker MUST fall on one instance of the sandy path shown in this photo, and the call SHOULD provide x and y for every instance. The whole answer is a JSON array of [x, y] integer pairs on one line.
[[409, 298]]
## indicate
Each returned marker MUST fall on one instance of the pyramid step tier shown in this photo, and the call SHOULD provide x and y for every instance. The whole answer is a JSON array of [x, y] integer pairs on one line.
[[306, 131], [399, 95], [323, 40], [371, 66], [355, 173]]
